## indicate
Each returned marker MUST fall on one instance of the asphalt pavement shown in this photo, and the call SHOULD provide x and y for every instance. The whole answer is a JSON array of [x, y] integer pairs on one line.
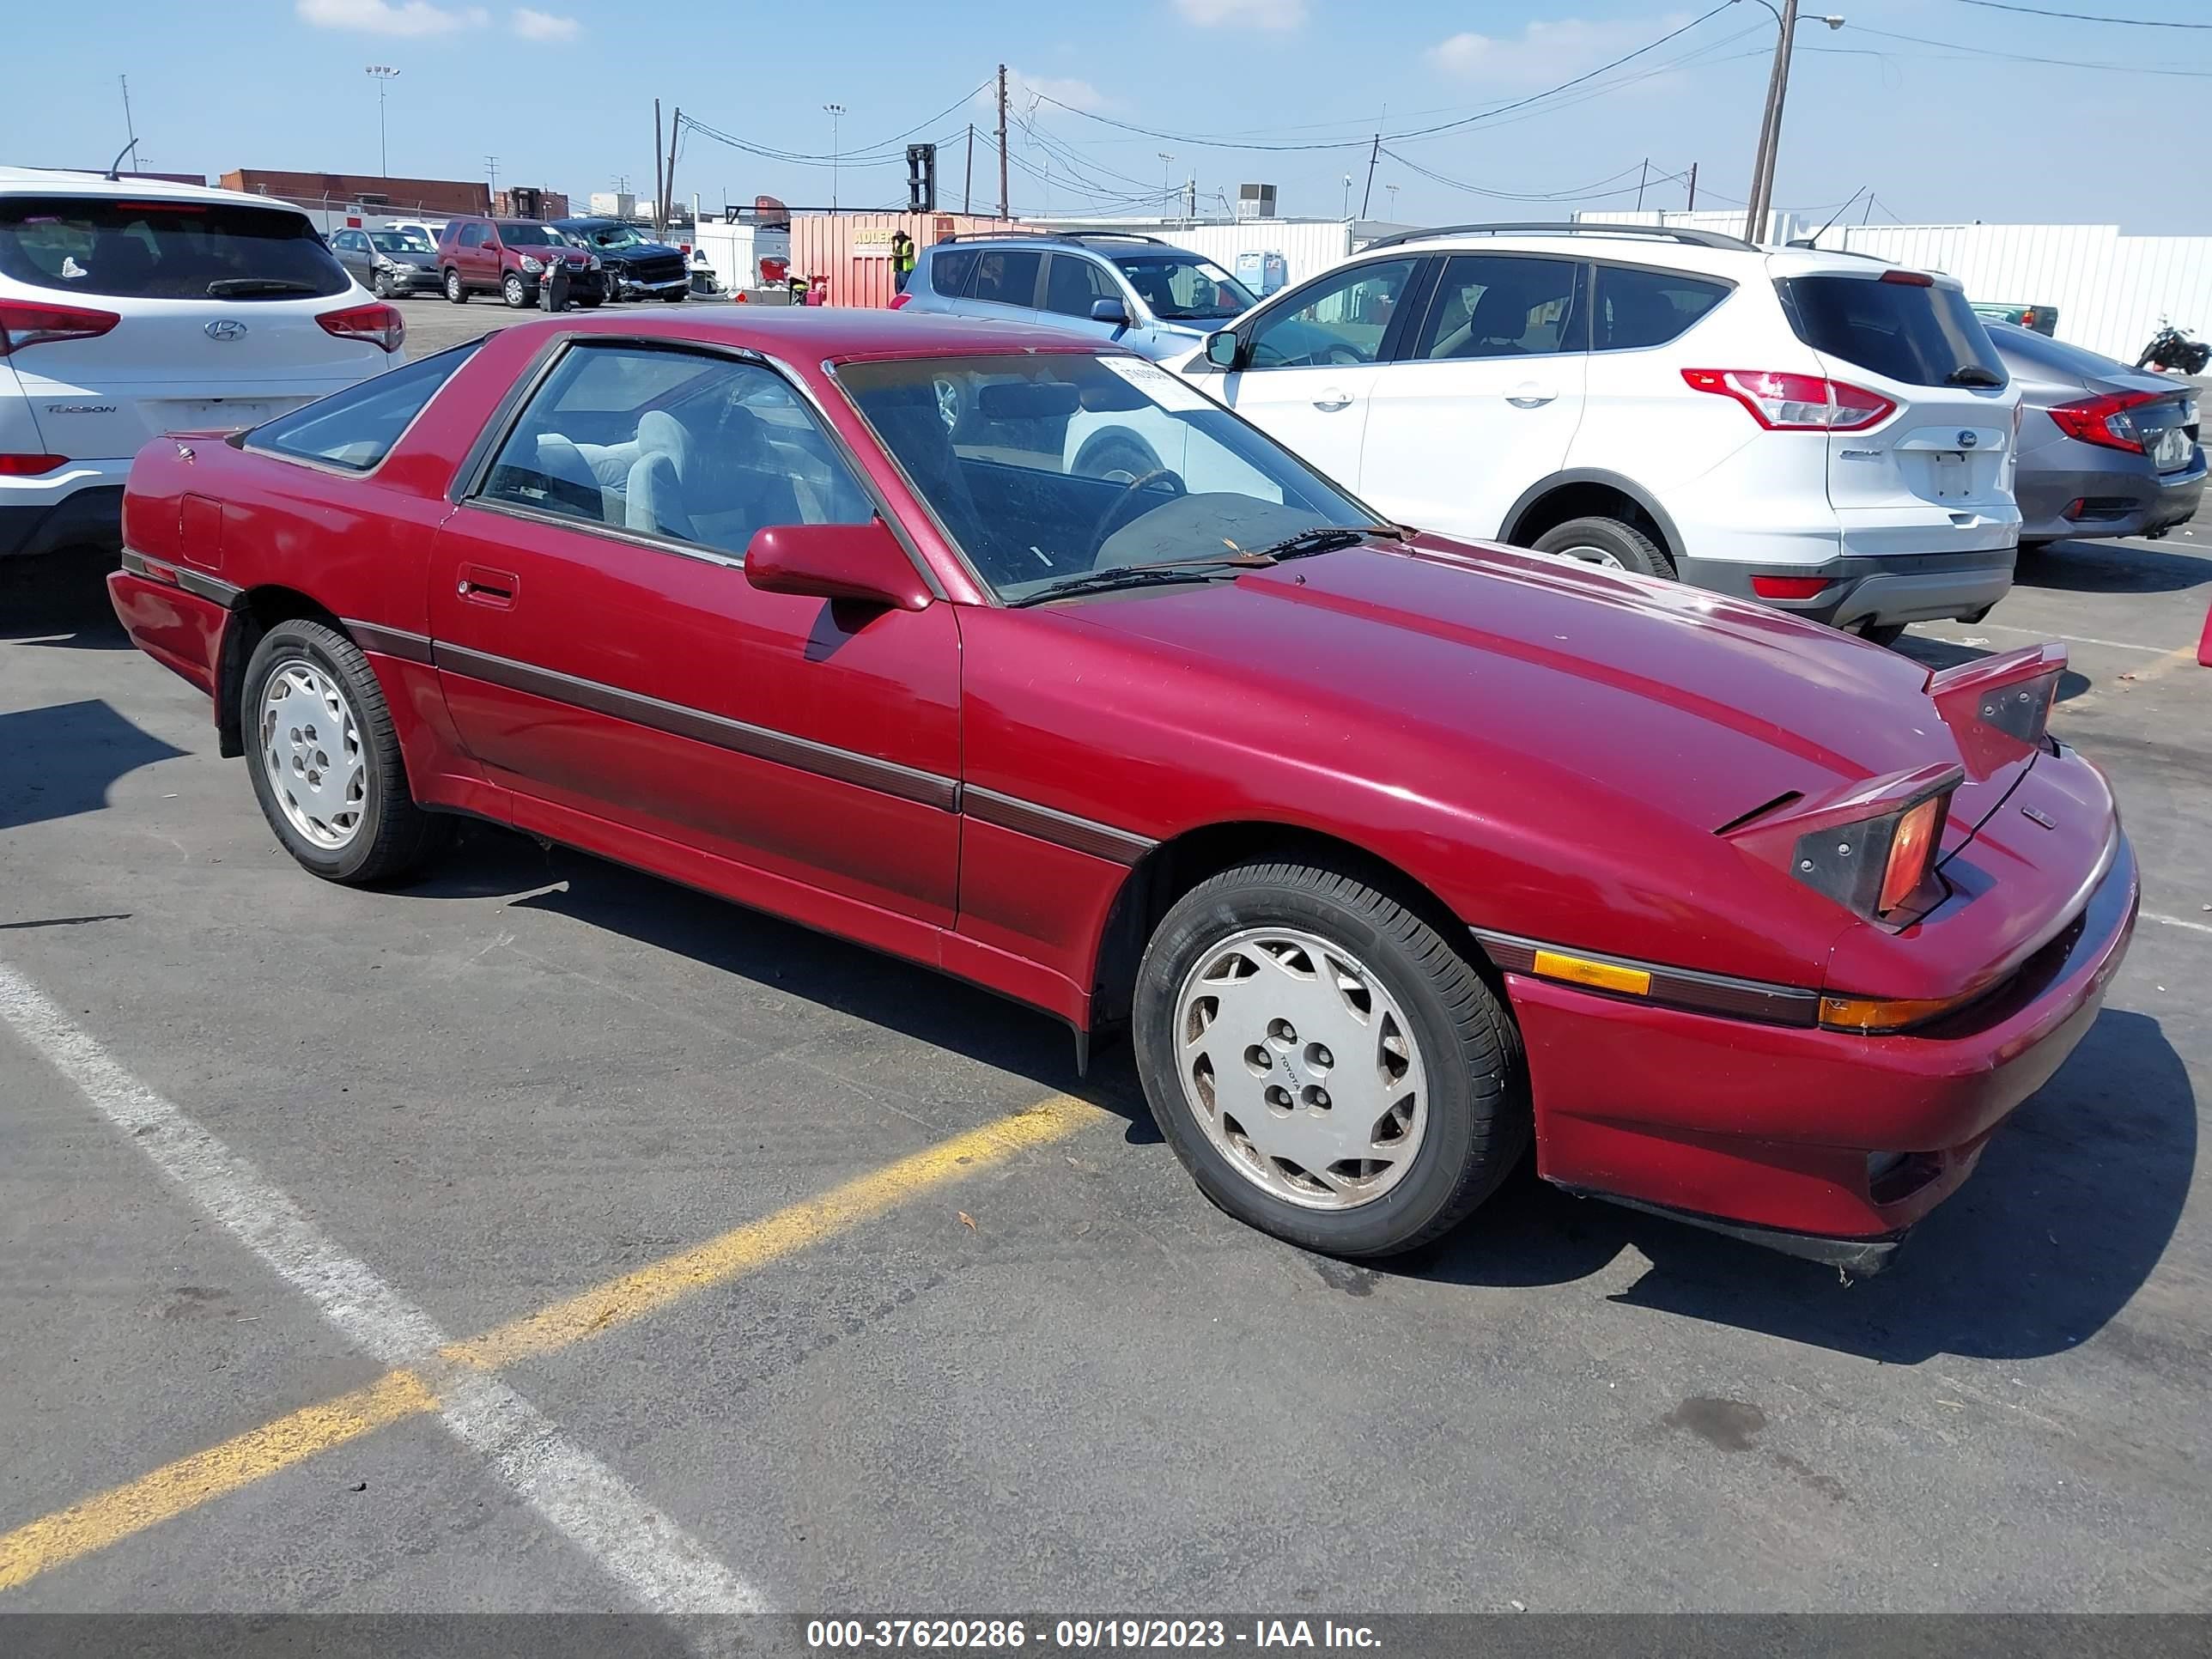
[[674, 1177]]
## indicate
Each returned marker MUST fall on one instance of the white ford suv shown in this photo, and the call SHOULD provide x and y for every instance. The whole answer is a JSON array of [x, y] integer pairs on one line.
[[1823, 432], [130, 307]]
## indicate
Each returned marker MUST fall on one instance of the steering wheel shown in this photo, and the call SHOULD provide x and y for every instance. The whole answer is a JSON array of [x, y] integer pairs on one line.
[[1339, 352], [1118, 514]]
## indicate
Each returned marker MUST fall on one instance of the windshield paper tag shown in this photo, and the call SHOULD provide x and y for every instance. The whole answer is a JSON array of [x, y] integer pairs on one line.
[[1156, 383]]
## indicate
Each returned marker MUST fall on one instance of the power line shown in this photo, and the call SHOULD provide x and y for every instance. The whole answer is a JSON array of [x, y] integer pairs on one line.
[[2021, 57], [2085, 16]]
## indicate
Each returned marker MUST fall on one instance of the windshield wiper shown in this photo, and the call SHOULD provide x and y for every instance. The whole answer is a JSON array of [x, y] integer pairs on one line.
[[1146, 575], [1974, 374], [1322, 538], [230, 287]]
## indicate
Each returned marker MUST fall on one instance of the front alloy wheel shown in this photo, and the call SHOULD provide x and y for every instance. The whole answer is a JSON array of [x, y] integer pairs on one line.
[[512, 290]]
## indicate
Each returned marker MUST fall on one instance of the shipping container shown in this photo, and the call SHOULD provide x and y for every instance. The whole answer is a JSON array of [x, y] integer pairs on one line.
[[853, 250]]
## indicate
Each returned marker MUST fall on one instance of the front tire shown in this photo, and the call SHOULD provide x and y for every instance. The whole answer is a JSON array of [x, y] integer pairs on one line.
[[513, 290], [1608, 542], [326, 762], [381, 286], [456, 291], [1327, 1066]]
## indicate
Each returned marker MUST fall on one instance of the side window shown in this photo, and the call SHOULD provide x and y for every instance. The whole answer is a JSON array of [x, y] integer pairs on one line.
[[1648, 308], [949, 270], [682, 444], [1005, 277], [347, 241], [1339, 319], [356, 428], [1072, 283], [473, 235], [1494, 304]]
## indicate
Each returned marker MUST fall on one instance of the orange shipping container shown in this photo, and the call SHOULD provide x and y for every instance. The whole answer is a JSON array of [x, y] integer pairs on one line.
[[853, 250]]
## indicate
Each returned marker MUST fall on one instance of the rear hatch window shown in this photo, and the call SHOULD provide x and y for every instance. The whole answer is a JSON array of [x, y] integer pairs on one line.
[[1904, 331], [155, 250]]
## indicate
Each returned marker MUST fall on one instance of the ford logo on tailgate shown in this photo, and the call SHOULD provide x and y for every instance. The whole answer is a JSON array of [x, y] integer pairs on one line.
[[1968, 440], [225, 328]]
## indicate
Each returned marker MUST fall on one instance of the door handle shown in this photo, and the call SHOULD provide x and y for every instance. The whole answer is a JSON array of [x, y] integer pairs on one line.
[[481, 585], [1332, 399], [1531, 394]]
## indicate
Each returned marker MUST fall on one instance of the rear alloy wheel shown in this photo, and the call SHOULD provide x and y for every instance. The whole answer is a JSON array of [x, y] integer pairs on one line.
[[456, 289], [1608, 542], [326, 762], [1328, 1068], [512, 290]]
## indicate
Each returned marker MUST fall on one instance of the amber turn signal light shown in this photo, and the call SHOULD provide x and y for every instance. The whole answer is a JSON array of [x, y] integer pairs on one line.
[[1603, 976], [1886, 1014]]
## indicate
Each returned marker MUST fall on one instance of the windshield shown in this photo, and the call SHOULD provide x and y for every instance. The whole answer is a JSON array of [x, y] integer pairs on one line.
[[163, 250], [1047, 468], [401, 241], [530, 234], [1182, 286], [605, 236]]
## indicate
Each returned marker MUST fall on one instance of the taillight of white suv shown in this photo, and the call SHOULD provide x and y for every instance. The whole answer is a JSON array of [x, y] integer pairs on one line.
[[379, 323], [32, 322], [1783, 402]]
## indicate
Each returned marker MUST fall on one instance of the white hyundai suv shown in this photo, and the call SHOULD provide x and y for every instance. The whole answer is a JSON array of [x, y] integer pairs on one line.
[[130, 307], [1823, 432]]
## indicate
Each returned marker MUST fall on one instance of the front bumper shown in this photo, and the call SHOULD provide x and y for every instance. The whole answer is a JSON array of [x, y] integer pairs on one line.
[[2115, 501], [1765, 1131], [631, 288], [1873, 589], [411, 279]]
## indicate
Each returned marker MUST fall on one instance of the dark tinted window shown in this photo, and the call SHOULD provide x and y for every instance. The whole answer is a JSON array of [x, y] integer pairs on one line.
[[529, 233], [948, 269], [2041, 351], [1647, 307], [1921, 336], [474, 235], [1007, 276], [356, 428], [165, 250], [1072, 283], [1184, 288], [1496, 305]]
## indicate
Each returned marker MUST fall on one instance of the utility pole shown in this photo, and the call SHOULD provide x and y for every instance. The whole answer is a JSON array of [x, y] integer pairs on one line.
[[1769, 124], [1166, 161], [1003, 212], [491, 180], [1641, 178], [834, 112], [1692, 207], [668, 182], [1347, 198], [384, 74], [1190, 199], [968, 186], [1373, 156], [1391, 190], [659, 183]]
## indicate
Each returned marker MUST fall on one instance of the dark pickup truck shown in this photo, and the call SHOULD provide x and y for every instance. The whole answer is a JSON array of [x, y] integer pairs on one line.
[[637, 267]]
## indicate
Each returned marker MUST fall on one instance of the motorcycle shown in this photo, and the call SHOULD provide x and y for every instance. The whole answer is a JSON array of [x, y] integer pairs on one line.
[[2171, 348]]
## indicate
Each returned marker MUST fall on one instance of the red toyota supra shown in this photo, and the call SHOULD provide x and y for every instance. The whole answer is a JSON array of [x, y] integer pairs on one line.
[[1390, 853]]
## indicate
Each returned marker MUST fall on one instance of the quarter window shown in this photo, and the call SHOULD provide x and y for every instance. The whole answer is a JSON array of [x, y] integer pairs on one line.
[[680, 444], [356, 429], [949, 270], [1007, 276], [1491, 305], [1072, 283], [1340, 319], [1648, 308]]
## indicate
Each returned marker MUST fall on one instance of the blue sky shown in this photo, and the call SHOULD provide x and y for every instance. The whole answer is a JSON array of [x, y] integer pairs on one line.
[[563, 93]]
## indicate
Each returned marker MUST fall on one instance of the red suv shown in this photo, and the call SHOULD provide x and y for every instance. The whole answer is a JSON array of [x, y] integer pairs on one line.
[[509, 258]]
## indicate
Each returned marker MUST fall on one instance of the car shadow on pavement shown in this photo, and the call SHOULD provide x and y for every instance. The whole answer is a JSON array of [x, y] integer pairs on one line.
[[60, 600], [2111, 567], [791, 961], [71, 753], [2071, 1208]]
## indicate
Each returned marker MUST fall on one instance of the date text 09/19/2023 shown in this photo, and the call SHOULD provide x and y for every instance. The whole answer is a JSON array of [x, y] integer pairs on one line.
[[1123, 1633]]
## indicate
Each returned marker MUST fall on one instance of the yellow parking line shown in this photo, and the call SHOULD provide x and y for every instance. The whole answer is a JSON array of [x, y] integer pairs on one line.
[[175, 1488]]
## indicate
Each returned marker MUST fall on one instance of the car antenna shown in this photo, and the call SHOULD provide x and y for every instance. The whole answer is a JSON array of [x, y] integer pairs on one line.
[[115, 168], [1815, 240]]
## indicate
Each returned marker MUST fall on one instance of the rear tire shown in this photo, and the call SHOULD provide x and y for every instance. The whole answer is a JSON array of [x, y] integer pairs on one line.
[[326, 762], [1608, 542], [456, 291], [1404, 1044]]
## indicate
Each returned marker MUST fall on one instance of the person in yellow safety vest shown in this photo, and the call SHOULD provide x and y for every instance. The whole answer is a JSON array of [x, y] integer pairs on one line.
[[902, 258]]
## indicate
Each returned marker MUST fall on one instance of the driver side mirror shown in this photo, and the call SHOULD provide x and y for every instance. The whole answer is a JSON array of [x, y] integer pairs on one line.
[[1224, 349], [861, 563], [1109, 311]]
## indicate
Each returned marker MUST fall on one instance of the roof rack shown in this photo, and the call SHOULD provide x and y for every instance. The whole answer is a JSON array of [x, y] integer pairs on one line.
[[1665, 232], [1027, 234]]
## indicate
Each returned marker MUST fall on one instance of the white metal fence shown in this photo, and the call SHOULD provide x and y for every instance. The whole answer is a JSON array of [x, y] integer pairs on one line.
[[2110, 289]]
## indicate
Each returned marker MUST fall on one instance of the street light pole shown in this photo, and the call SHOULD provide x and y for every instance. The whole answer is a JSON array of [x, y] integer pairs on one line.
[[833, 111], [383, 74], [1770, 122]]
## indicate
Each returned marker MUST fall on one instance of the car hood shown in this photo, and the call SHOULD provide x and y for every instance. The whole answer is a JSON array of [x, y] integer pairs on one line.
[[1701, 707], [639, 251]]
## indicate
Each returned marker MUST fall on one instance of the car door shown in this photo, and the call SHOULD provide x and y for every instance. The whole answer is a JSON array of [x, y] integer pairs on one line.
[[1486, 396], [605, 659], [1073, 283], [1310, 363], [354, 253], [1006, 283]]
